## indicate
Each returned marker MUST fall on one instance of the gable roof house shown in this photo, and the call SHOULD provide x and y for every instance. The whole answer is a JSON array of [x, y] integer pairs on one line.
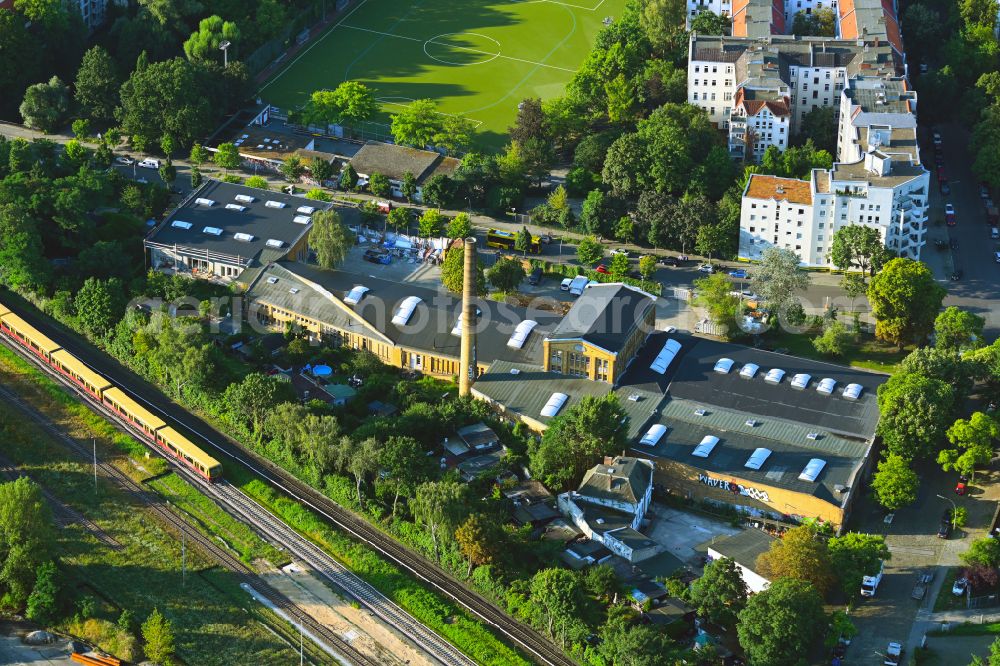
[[395, 161]]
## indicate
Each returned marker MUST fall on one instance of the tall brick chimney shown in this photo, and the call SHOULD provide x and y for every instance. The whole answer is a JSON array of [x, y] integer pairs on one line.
[[468, 365]]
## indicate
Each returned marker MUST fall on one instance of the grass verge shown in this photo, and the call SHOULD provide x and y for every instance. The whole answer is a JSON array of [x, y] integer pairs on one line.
[[945, 599], [430, 608], [969, 629], [870, 354], [215, 621]]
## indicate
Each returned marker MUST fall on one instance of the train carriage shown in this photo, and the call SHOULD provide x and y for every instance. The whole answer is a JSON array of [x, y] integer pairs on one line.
[[27, 335], [183, 449], [135, 413], [4, 310], [69, 365]]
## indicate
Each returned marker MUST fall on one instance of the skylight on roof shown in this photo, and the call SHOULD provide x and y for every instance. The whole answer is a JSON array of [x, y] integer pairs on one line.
[[274, 204], [774, 376], [723, 366], [554, 404], [826, 386], [405, 310], [272, 280], [757, 458], [812, 469], [749, 370], [653, 435], [235, 207], [180, 224], [801, 380], [214, 231], [244, 198], [301, 219], [355, 295], [707, 445], [294, 290], [666, 356], [853, 391], [246, 238], [521, 333], [305, 210], [201, 201], [457, 328], [275, 243]]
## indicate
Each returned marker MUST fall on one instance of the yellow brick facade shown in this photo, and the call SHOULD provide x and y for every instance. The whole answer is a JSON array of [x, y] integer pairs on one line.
[[442, 367], [579, 358], [690, 482]]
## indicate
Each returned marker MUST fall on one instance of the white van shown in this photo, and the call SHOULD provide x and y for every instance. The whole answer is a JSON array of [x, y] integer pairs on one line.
[[994, 233], [150, 163], [578, 284]]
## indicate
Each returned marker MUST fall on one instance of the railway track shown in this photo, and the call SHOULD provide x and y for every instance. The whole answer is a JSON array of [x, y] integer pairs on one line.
[[533, 643], [222, 556]]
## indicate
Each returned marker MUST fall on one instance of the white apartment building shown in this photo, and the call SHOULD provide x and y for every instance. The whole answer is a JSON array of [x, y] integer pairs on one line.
[[756, 124], [94, 12], [813, 70], [720, 7], [885, 190], [880, 107]]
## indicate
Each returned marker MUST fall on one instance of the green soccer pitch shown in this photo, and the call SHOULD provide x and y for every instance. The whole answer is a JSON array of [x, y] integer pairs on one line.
[[475, 58]]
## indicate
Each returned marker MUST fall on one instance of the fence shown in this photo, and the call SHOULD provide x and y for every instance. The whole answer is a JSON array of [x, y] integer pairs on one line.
[[985, 601]]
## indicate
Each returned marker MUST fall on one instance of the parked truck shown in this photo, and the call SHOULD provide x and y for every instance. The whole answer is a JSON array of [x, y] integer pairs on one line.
[[869, 584]]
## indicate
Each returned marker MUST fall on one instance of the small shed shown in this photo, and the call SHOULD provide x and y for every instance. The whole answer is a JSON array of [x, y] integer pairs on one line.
[[341, 393]]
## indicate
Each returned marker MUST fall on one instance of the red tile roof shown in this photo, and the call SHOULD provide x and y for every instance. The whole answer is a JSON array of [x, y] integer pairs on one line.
[[791, 190]]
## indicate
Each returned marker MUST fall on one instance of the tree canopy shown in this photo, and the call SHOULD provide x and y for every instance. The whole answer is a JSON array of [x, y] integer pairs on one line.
[[800, 554], [720, 594], [972, 440], [959, 330], [778, 625], [915, 412], [330, 238], [895, 483], [905, 300], [578, 439], [858, 246]]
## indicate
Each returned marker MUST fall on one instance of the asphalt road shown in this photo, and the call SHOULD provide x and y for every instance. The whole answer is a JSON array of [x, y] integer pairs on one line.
[[979, 289]]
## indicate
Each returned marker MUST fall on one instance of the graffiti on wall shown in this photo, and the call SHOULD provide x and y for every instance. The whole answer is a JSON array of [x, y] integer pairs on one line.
[[735, 488]]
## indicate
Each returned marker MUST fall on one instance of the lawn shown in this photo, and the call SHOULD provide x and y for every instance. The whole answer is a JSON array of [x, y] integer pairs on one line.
[[476, 58], [215, 621], [869, 354]]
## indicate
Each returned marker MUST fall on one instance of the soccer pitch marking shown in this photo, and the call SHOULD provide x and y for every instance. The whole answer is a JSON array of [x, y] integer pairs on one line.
[[457, 47], [310, 47], [564, 4]]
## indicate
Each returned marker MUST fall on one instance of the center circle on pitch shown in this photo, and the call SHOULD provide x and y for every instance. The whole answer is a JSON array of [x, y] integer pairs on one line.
[[462, 48]]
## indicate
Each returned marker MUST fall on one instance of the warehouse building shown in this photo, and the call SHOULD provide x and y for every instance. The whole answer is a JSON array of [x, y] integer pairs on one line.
[[221, 229]]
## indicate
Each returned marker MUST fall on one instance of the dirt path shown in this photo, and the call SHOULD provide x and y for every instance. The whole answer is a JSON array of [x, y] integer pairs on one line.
[[364, 632]]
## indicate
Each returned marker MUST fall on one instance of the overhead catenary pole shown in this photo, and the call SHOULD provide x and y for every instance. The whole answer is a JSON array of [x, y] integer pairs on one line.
[[95, 463]]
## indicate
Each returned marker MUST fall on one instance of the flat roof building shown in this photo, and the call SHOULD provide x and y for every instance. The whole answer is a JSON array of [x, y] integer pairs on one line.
[[221, 229], [395, 161]]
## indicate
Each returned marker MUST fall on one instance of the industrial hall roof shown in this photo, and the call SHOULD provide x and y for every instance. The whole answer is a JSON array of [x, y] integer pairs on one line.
[[605, 315], [239, 221], [398, 313], [744, 547]]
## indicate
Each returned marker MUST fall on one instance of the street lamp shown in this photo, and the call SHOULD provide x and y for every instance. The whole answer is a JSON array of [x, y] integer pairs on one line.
[[224, 47], [954, 509]]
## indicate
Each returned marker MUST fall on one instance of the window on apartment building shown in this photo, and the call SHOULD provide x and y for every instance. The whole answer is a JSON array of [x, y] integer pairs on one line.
[[729, 69], [819, 237], [822, 213], [697, 68], [714, 69], [696, 81], [753, 217], [805, 86], [713, 97], [819, 249], [713, 110], [798, 247], [798, 236], [695, 98], [815, 96], [843, 216], [781, 130], [828, 75], [826, 86], [728, 96], [815, 79], [752, 229], [753, 205], [713, 82], [878, 207]]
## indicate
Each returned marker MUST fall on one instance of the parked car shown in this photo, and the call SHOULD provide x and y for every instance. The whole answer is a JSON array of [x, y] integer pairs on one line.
[[564, 285], [996, 256], [150, 163], [923, 581], [984, 190], [959, 587], [949, 215], [603, 270], [954, 243], [961, 488], [944, 529], [740, 273], [706, 268], [957, 275], [938, 141], [536, 277], [378, 257], [546, 239], [944, 187], [670, 261], [619, 250], [125, 159]]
